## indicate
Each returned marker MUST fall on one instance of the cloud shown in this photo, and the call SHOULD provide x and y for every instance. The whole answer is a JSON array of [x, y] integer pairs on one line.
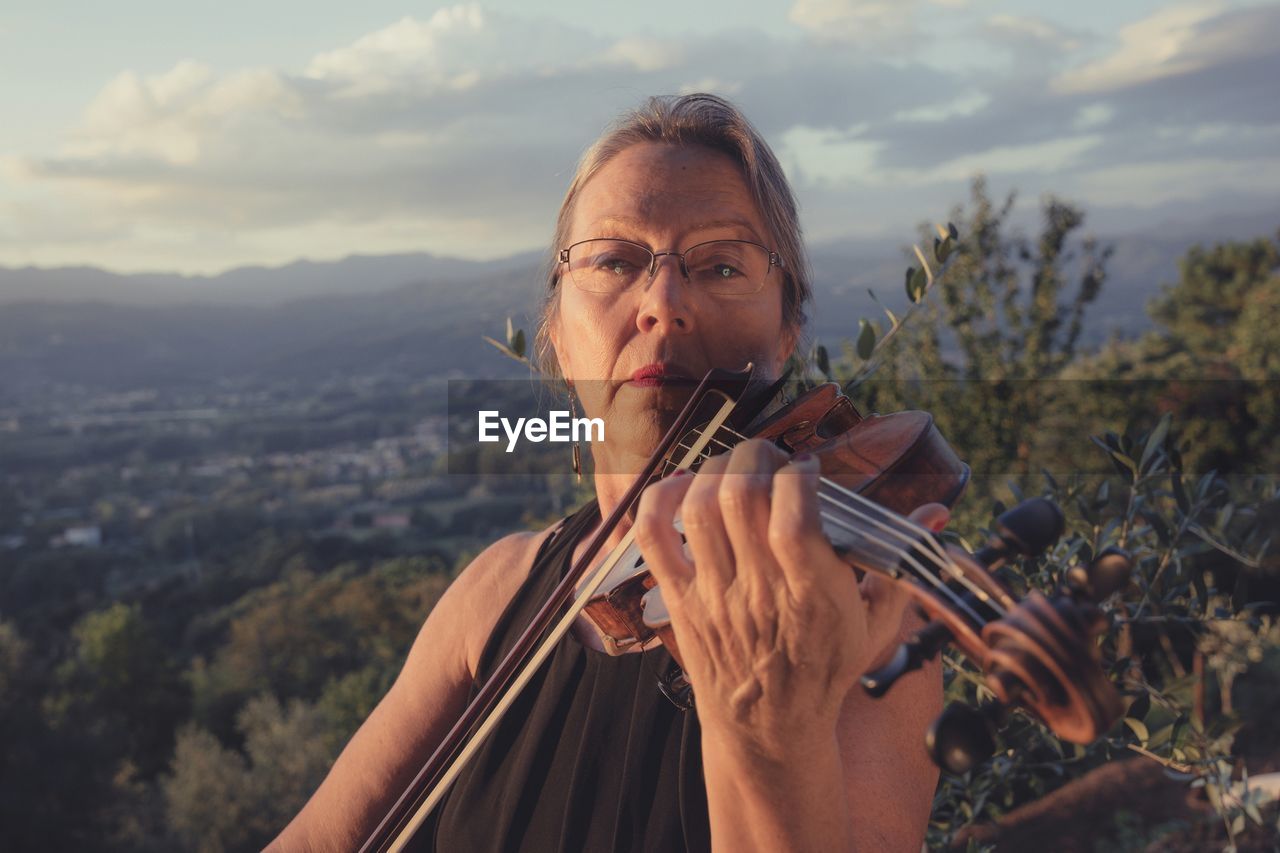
[[854, 20], [1164, 44], [464, 118], [1032, 36], [880, 22], [458, 132]]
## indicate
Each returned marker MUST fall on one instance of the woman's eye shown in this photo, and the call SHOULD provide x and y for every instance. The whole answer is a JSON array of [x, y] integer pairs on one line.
[[718, 271], [615, 265]]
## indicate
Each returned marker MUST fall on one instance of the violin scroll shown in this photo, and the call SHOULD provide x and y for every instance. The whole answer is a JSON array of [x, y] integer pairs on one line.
[[1040, 654]]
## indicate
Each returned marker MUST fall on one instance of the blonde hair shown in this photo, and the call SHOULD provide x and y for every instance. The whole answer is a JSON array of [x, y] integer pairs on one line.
[[696, 119]]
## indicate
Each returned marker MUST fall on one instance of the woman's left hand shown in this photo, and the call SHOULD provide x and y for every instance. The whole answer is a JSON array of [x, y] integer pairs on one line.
[[772, 626]]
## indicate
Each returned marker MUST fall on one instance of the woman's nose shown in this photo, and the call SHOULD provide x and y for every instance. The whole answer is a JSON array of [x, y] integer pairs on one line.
[[664, 305]]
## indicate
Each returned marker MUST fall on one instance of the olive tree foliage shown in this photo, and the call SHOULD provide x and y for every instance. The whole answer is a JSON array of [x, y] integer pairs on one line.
[[304, 662], [1004, 324], [1183, 635], [999, 357], [219, 798], [1211, 359]]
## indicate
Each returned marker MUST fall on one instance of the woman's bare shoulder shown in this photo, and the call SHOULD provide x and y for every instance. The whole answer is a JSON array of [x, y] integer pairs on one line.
[[486, 586]]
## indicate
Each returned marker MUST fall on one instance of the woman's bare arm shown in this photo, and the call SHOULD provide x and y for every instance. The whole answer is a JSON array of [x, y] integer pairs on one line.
[[885, 762], [427, 698]]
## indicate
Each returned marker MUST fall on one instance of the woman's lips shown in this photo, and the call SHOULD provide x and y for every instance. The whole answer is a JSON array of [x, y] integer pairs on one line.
[[660, 374]]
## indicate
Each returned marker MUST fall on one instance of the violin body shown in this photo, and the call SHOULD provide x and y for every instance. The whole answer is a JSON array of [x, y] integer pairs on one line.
[[1037, 654], [900, 461]]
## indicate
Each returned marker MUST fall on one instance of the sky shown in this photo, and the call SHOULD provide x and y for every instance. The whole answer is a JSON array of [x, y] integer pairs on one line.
[[197, 137]]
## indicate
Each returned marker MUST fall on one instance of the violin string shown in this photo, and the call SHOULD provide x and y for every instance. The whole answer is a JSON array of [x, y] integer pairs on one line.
[[905, 529], [939, 558], [838, 505], [885, 517], [926, 536], [934, 554], [907, 557]]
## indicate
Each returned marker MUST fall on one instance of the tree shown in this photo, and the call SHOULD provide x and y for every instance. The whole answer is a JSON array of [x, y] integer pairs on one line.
[[1006, 323], [219, 799], [1211, 361], [294, 636], [119, 688]]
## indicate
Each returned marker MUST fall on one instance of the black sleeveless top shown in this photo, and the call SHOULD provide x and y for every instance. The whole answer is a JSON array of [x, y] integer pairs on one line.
[[591, 757]]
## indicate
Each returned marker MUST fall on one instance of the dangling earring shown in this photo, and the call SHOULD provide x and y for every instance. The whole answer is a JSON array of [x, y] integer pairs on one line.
[[577, 451]]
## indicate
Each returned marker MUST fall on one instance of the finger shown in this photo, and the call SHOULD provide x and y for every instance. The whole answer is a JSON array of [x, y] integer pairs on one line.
[[704, 525], [795, 529], [931, 516], [886, 602], [744, 496], [656, 535]]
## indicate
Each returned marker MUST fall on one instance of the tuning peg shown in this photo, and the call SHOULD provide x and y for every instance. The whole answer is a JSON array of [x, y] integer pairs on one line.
[[1026, 530], [912, 654], [1109, 572], [962, 737]]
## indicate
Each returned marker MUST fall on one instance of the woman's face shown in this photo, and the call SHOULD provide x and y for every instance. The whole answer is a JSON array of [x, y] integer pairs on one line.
[[633, 357]]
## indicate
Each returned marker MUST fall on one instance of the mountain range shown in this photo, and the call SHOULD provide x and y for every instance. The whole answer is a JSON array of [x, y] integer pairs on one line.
[[416, 314]]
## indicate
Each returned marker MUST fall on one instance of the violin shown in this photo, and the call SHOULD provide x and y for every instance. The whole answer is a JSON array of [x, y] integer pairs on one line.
[[1037, 654]]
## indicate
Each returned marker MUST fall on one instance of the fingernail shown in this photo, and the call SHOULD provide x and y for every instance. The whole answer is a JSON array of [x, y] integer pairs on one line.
[[802, 457], [679, 472]]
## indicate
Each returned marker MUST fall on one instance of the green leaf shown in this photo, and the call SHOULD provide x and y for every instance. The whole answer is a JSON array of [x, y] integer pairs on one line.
[[502, 348], [866, 340], [942, 249], [1138, 710], [951, 230], [823, 360], [1156, 440], [1139, 729], [1179, 492], [517, 343], [919, 283], [911, 294], [1160, 737], [1123, 464]]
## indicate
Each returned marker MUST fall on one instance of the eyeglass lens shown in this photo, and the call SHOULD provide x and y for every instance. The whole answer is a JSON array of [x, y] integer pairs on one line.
[[722, 266]]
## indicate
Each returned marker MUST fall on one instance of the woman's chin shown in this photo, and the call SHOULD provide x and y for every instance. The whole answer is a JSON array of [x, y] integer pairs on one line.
[[631, 436], [666, 397]]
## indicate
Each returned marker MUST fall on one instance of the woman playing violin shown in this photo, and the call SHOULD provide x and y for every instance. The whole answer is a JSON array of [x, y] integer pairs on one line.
[[677, 250]]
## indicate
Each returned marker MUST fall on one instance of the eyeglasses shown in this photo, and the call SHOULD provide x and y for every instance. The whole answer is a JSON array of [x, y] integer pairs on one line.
[[733, 267]]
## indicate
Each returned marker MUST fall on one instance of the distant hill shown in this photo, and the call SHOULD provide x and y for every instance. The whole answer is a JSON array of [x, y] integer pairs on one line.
[[417, 329], [358, 274], [410, 314]]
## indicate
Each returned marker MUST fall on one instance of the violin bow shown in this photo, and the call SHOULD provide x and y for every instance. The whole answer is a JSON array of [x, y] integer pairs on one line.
[[538, 640]]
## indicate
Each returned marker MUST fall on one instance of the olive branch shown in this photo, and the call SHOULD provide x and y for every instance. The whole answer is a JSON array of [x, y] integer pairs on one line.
[[870, 345]]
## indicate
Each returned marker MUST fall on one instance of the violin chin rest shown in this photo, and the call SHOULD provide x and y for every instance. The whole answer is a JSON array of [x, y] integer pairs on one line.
[[655, 609]]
